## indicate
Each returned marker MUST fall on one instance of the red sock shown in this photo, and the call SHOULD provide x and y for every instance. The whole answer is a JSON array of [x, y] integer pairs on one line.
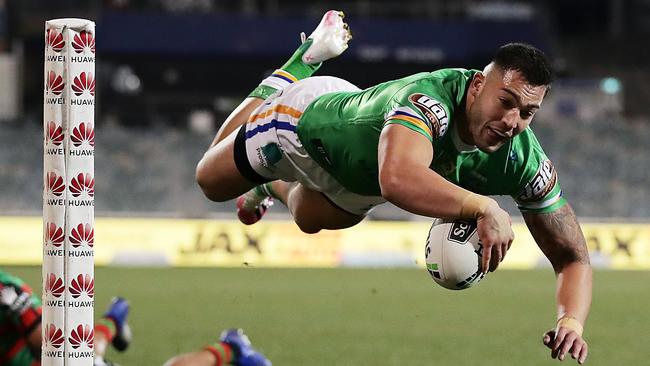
[[222, 352], [106, 326]]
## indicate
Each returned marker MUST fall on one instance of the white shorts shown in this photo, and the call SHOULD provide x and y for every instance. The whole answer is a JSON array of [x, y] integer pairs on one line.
[[267, 148]]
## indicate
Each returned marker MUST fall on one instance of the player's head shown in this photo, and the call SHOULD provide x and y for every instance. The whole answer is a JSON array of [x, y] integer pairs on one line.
[[502, 100]]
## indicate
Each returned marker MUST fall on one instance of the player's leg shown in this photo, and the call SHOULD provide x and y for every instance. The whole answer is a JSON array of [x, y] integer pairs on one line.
[[113, 328], [311, 210], [233, 347], [198, 358], [217, 172], [218, 175], [329, 39]]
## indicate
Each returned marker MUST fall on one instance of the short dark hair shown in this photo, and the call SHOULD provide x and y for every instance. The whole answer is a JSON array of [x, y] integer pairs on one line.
[[528, 60]]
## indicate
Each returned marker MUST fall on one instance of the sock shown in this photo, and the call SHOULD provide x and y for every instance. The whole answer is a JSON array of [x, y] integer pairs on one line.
[[222, 352], [296, 67], [293, 70], [266, 190], [106, 326]]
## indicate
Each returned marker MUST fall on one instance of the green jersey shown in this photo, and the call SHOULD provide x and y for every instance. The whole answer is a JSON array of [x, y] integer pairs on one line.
[[340, 131]]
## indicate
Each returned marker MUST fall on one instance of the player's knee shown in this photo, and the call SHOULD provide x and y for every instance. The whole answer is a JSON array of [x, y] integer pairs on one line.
[[307, 226], [209, 183], [309, 229]]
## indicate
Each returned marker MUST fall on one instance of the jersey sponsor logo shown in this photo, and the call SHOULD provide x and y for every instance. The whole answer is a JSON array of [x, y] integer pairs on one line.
[[541, 184], [269, 155], [433, 111], [513, 156]]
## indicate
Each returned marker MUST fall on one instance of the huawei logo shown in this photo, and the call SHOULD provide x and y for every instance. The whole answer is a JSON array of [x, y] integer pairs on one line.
[[83, 132], [82, 234], [53, 234], [85, 81], [81, 284], [55, 83], [54, 184], [53, 336], [83, 40], [82, 183], [55, 40], [54, 285], [82, 334], [54, 134]]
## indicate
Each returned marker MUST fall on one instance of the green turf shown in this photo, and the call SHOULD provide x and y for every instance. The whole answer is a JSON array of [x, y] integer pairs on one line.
[[368, 317]]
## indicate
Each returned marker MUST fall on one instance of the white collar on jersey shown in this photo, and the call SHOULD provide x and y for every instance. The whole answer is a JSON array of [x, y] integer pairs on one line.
[[458, 143]]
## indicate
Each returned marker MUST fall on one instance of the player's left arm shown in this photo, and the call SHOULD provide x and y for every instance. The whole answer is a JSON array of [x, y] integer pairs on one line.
[[559, 236]]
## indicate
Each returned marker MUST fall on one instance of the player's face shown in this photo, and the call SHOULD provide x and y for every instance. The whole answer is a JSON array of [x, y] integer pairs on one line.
[[503, 104]]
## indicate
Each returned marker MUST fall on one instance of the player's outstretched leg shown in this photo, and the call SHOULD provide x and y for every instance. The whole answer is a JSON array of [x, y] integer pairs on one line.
[[118, 311], [311, 210], [112, 328], [215, 173], [244, 354], [233, 348], [328, 40], [252, 205]]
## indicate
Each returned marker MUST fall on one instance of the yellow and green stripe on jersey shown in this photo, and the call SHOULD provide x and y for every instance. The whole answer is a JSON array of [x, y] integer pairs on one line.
[[410, 119], [283, 75]]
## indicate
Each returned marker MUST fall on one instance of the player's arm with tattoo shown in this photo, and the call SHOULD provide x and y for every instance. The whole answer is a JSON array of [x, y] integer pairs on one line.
[[559, 236]]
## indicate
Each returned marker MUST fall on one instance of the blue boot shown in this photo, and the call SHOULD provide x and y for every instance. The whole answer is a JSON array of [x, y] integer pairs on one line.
[[244, 354], [118, 311]]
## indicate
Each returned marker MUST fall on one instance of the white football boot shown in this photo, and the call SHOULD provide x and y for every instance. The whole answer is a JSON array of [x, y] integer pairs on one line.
[[329, 39]]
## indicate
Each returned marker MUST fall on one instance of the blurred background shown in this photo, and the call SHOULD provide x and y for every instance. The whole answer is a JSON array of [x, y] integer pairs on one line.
[[170, 71]]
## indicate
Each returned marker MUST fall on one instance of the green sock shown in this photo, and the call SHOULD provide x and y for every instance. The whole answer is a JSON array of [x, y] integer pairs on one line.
[[266, 190], [292, 70], [296, 67]]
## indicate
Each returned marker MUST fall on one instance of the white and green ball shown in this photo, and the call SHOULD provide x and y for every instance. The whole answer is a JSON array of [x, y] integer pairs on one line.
[[453, 254]]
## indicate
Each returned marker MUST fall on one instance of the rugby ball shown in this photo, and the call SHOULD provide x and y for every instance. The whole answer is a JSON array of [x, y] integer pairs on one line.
[[453, 254]]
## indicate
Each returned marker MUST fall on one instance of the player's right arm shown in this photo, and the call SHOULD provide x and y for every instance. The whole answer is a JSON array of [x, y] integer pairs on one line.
[[404, 156]]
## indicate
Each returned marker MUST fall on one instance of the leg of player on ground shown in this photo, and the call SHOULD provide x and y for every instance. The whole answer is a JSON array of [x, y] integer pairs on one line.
[[112, 328], [233, 347]]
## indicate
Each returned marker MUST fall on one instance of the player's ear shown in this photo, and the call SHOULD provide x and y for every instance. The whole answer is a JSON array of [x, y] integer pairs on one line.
[[476, 84]]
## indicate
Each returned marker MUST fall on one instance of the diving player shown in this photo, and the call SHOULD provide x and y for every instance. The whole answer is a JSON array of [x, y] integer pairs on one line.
[[434, 143]]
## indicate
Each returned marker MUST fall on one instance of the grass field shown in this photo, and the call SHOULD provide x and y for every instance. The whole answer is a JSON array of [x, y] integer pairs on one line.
[[367, 316]]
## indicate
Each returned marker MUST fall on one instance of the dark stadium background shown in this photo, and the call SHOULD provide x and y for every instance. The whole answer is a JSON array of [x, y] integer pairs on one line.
[[170, 71]]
